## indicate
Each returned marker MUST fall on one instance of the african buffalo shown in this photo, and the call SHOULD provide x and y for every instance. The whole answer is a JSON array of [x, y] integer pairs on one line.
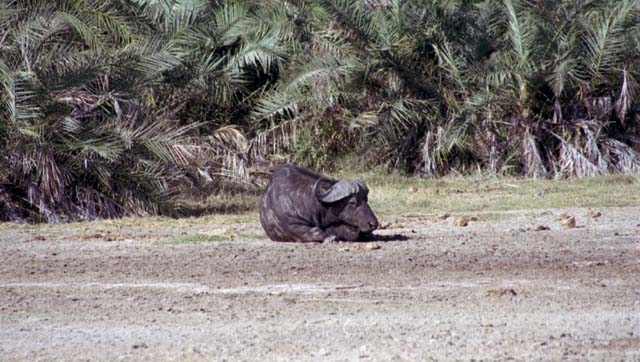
[[300, 205]]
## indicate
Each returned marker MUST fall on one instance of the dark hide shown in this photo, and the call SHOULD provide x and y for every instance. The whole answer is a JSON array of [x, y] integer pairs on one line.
[[300, 205]]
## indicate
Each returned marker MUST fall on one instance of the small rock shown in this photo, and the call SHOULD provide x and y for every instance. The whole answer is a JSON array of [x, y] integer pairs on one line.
[[501, 292], [92, 236], [389, 225], [463, 221], [594, 214], [369, 247], [444, 216], [538, 228], [568, 222]]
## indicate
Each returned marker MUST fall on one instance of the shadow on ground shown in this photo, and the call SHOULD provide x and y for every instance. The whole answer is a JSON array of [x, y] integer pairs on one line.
[[382, 238]]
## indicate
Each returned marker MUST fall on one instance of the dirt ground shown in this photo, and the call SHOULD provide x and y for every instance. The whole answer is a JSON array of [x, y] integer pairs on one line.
[[500, 288]]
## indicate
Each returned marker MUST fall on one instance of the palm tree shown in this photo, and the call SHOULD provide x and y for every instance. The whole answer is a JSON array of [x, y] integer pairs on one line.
[[114, 107], [115, 113], [354, 82], [553, 96], [78, 139], [441, 86]]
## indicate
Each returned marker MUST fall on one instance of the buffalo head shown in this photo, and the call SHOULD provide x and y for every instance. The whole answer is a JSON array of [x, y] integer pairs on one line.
[[347, 202]]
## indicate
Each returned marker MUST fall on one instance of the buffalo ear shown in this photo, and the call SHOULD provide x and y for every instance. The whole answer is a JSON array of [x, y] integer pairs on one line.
[[339, 191], [361, 186]]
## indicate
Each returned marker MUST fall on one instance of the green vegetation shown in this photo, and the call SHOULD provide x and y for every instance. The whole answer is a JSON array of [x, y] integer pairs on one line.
[[114, 108]]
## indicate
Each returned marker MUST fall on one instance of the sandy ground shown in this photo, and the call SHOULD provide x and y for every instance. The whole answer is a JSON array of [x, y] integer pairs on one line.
[[428, 290]]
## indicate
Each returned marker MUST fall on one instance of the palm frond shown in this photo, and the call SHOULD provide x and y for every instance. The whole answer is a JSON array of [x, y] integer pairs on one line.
[[264, 52], [533, 162], [433, 153], [184, 13], [276, 105], [82, 29], [275, 139], [26, 108], [233, 22], [107, 19], [152, 57], [7, 92], [452, 65], [627, 94], [605, 37], [318, 72], [520, 35], [566, 68], [580, 159], [624, 158]]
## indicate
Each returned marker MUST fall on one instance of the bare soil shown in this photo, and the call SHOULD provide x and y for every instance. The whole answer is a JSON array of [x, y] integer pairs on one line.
[[500, 288]]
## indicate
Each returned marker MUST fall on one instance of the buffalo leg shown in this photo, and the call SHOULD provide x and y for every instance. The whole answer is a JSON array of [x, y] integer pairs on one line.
[[308, 233], [344, 232]]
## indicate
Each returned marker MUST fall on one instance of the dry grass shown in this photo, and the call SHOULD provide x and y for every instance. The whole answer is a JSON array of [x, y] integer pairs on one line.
[[395, 195]]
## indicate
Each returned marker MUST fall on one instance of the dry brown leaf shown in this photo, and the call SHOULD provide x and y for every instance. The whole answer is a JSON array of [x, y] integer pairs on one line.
[[569, 222], [594, 213], [444, 216], [462, 221]]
